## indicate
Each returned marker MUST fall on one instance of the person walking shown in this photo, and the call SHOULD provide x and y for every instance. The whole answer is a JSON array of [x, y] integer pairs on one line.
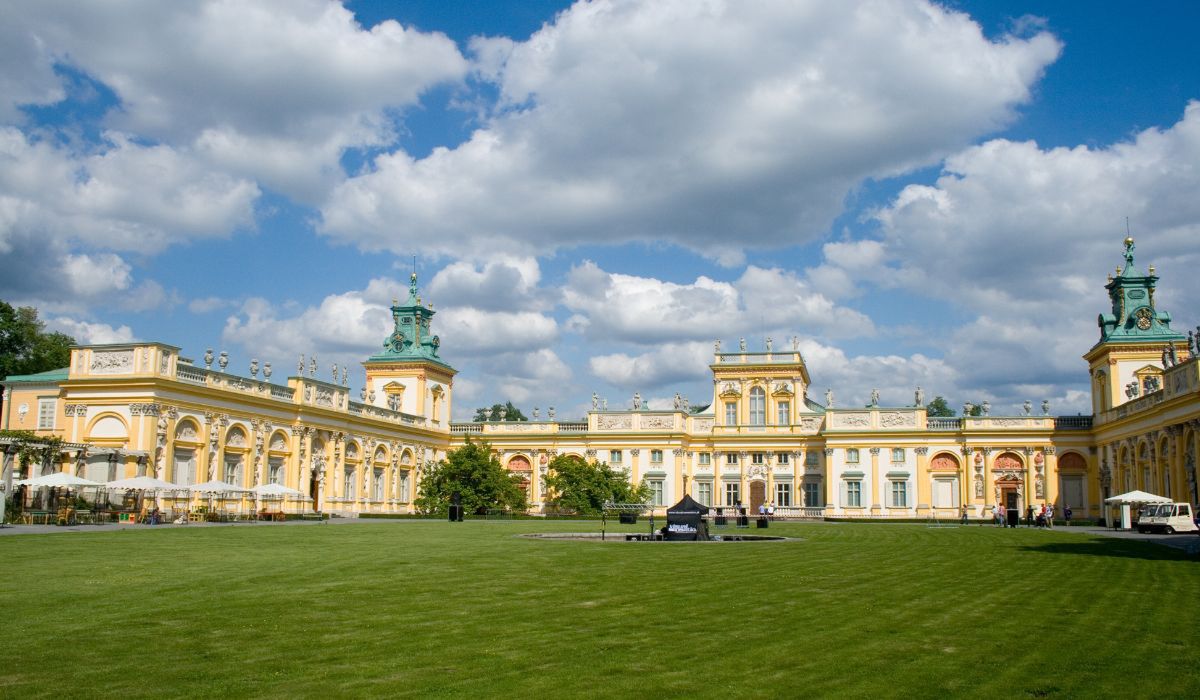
[[1003, 516], [1067, 514], [1050, 516], [963, 518]]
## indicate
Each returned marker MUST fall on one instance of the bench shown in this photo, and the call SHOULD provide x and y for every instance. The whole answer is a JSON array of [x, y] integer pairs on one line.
[[312, 516]]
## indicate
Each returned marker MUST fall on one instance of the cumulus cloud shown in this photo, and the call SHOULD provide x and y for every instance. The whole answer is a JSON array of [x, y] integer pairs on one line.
[[1022, 237], [716, 125], [88, 333], [503, 284], [614, 306], [288, 84], [668, 364]]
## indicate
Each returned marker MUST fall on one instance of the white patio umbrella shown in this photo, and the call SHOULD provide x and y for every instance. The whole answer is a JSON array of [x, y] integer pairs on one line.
[[57, 479], [215, 487], [143, 483], [274, 491]]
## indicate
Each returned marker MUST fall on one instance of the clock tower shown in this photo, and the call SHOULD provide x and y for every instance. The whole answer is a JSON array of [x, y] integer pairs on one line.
[[1133, 338]]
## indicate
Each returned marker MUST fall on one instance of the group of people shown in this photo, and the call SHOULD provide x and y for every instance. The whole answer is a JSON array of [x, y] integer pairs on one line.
[[766, 510], [1039, 517]]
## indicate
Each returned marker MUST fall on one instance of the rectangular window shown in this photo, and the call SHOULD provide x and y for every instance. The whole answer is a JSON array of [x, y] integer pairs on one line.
[[704, 493], [348, 485], [378, 484], [783, 413], [731, 458], [403, 495], [783, 494], [852, 456], [899, 494], [758, 406], [656, 456], [705, 459], [46, 414], [757, 458], [782, 458], [656, 491], [275, 471], [233, 471], [854, 494], [730, 413], [812, 495], [897, 454], [614, 456], [733, 494]]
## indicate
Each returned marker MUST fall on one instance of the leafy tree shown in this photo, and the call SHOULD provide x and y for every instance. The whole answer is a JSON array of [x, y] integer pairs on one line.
[[26, 347], [498, 412], [475, 473], [976, 409], [580, 487], [939, 408], [698, 409]]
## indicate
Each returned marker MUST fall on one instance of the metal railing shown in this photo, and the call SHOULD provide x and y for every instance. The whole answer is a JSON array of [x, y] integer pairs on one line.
[[1073, 423]]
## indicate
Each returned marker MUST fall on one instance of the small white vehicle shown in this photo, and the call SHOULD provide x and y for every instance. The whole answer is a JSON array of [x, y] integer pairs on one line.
[[1169, 518]]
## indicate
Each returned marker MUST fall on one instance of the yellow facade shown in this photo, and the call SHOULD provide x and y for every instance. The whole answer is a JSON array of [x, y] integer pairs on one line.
[[142, 408]]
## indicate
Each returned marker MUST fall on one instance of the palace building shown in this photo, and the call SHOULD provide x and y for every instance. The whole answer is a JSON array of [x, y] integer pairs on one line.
[[145, 409]]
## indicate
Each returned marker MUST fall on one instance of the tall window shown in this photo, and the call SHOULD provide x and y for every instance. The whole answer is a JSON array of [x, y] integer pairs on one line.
[[704, 492], [656, 491], [897, 454], [614, 456], [899, 494], [378, 486], [733, 494], [812, 494], [854, 494], [348, 484], [782, 458], [783, 413], [731, 458], [852, 455], [233, 470], [783, 494], [45, 414], [403, 495], [757, 458], [758, 406], [656, 456], [731, 413], [275, 470]]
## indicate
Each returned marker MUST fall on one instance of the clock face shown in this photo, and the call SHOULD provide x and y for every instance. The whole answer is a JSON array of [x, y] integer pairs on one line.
[[1143, 318]]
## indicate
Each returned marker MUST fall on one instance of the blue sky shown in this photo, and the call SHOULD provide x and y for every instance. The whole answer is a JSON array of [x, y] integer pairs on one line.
[[921, 193]]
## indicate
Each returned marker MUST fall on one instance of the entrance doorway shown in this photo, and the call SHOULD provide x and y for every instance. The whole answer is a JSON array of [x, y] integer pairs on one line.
[[1011, 499], [758, 495], [314, 486]]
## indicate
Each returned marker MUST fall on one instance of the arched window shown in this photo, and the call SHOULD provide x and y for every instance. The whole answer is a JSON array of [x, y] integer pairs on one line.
[[758, 406]]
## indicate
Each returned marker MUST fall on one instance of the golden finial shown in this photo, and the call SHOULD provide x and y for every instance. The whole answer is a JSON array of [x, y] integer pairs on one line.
[[1128, 241], [1152, 269]]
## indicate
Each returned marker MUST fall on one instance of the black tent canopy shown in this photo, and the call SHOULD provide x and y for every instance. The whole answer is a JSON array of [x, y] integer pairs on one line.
[[685, 520]]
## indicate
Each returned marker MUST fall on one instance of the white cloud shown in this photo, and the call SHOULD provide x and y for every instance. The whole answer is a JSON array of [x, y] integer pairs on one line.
[[667, 364], [87, 333], [1023, 236], [614, 306], [504, 284], [208, 304], [287, 84], [472, 332], [715, 125]]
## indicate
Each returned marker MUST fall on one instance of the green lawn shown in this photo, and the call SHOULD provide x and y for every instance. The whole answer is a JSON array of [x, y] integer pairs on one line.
[[430, 608]]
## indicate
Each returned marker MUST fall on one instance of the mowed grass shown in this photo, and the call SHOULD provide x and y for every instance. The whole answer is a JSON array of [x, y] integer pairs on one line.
[[431, 608]]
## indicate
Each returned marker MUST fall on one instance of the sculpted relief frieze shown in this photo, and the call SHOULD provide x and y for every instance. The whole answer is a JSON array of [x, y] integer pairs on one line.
[[851, 420], [111, 362], [658, 422], [618, 422], [702, 425], [897, 419]]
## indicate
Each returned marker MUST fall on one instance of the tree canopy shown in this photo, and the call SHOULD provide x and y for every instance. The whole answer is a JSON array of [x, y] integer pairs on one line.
[[499, 412], [475, 473], [577, 486], [26, 347], [939, 408]]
